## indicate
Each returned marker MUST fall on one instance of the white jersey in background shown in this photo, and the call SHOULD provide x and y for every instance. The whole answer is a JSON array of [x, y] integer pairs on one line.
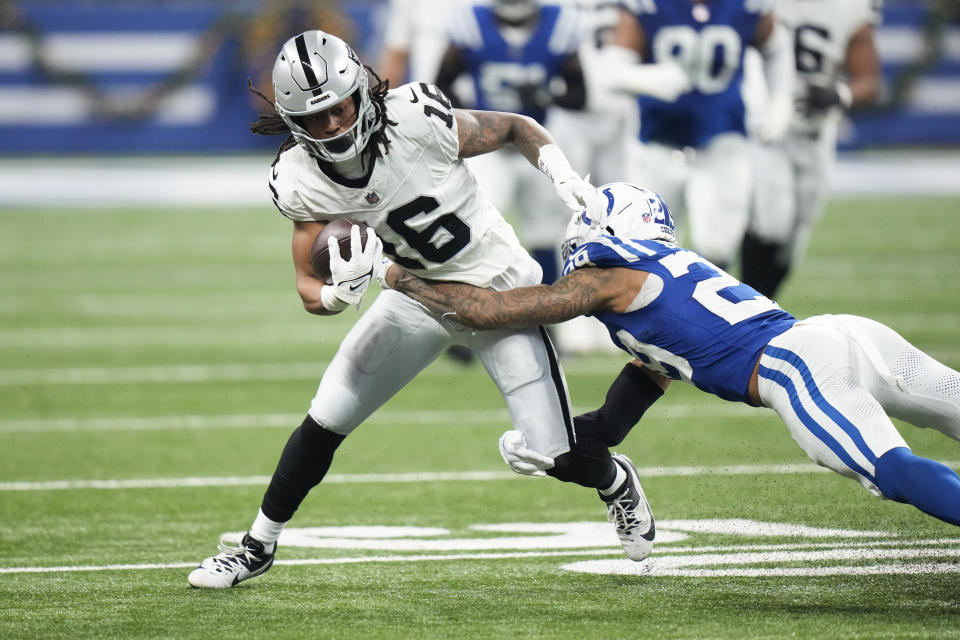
[[420, 199], [419, 28], [793, 174]]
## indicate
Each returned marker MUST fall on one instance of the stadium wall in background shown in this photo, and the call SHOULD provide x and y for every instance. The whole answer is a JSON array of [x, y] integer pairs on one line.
[[150, 76]]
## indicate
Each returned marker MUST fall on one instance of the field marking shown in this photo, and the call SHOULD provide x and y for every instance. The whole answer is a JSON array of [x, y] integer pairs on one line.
[[164, 373], [391, 478], [657, 554], [291, 420]]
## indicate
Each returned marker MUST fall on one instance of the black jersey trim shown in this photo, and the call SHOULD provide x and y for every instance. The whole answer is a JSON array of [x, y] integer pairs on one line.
[[351, 183]]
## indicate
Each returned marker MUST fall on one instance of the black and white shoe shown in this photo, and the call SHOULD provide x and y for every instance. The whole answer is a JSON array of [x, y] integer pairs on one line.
[[234, 564], [630, 513]]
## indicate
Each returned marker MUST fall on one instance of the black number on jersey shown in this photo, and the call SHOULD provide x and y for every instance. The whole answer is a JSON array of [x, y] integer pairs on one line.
[[422, 241], [432, 92], [808, 48]]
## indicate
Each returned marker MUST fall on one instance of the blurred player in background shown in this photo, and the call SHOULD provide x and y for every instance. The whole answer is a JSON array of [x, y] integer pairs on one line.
[[833, 379], [394, 160], [414, 40], [838, 68], [692, 122], [521, 57]]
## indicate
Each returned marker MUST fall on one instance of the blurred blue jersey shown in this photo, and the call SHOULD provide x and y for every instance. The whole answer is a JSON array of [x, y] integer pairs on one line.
[[708, 40], [501, 72], [692, 321]]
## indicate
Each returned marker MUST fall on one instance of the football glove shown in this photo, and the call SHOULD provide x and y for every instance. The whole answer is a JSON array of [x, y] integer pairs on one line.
[[352, 277], [513, 448], [821, 97]]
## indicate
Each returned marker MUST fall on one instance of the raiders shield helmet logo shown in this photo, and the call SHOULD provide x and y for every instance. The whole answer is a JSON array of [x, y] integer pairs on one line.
[[372, 197]]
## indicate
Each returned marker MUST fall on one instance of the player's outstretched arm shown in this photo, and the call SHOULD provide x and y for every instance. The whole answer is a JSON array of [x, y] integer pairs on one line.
[[580, 292], [484, 131]]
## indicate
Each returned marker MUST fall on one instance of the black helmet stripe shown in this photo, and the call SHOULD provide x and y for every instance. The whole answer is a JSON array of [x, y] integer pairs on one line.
[[305, 63]]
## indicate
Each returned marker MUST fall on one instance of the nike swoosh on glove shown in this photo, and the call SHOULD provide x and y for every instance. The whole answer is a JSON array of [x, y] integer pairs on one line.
[[352, 277]]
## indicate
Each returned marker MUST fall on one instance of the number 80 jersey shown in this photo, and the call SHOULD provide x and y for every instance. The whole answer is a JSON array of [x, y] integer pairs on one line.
[[692, 321], [420, 198]]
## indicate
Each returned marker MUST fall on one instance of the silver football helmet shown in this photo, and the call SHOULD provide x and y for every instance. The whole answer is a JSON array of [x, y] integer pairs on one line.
[[514, 11], [632, 213], [315, 71]]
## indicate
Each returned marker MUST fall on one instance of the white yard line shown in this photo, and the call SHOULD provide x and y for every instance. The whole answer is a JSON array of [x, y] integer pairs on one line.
[[664, 551], [391, 478], [451, 417]]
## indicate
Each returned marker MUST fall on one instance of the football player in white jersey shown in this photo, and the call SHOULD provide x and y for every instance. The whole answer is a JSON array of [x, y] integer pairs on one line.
[[833, 379], [838, 68], [394, 160]]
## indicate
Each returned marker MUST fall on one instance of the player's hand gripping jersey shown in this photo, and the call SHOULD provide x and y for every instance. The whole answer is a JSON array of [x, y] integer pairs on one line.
[[708, 40], [422, 202], [692, 321]]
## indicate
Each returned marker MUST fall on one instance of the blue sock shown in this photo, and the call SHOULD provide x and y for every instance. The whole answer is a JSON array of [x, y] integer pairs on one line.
[[549, 262], [930, 486]]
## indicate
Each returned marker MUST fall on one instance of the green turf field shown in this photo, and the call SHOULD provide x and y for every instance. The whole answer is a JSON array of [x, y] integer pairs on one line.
[[153, 363]]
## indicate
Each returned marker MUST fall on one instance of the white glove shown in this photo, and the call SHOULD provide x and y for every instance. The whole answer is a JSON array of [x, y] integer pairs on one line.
[[574, 191], [620, 69], [352, 277], [513, 448], [578, 193]]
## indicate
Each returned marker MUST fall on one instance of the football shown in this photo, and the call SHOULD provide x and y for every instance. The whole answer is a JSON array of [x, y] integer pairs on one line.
[[320, 252]]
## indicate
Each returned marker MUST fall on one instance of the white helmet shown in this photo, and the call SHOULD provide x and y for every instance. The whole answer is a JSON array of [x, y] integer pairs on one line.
[[314, 72], [632, 213]]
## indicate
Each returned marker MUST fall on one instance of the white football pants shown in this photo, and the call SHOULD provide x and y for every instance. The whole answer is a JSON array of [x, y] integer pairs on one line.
[[835, 379], [708, 191], [396, 338], [792, 189]]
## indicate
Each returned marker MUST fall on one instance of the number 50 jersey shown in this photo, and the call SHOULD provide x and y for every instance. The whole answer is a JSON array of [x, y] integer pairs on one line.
[[420, 198], [691, 321]]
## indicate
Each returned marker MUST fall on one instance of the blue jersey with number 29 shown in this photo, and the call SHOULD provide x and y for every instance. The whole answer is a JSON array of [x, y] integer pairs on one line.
[[692, 321]]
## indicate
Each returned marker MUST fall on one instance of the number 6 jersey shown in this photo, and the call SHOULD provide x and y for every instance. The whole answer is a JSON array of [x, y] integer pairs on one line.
[[691, 321], [420, 198]]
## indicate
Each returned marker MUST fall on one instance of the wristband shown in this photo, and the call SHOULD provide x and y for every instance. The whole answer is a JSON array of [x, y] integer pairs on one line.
[[554, 164], [330, 301], [845, 95]]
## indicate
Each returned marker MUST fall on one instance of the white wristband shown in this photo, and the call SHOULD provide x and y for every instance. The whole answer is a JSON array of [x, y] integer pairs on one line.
[[330, 301], [554, 164], [846, 96]]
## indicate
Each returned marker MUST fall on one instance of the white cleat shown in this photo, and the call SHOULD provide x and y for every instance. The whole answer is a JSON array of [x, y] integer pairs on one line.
[[234, 564], [630, 513]]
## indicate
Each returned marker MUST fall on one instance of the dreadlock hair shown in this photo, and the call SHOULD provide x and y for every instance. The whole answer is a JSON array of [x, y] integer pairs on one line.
[[271, 124]]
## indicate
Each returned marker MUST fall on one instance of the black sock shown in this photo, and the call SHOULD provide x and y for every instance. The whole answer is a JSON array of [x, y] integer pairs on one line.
[[303, 463]]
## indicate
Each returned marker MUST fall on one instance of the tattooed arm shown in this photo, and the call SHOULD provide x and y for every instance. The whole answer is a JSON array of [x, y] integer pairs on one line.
[[583, 291], [485, 131]]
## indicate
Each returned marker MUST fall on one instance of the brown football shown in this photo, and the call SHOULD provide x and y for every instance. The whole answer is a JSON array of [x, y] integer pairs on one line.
[[320, 252]]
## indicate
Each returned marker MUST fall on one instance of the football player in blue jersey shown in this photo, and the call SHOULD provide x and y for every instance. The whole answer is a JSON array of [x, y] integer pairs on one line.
[[684, 61], [833, 379], [519, 56]]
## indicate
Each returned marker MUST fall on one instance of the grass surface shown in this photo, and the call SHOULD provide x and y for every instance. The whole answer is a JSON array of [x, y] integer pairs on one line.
[[168, 345]]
